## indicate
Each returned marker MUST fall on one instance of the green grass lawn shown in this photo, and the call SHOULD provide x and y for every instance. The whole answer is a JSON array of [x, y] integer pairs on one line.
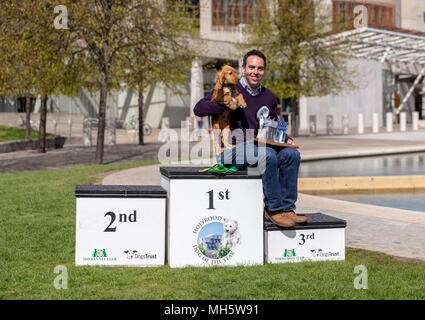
[[12, 134], [37, 233]]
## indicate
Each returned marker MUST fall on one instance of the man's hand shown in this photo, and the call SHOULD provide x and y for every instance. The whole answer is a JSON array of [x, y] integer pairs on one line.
[[290, 141]]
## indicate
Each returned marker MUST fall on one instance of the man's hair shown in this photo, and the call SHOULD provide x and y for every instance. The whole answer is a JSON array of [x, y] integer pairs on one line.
[[254, 52]]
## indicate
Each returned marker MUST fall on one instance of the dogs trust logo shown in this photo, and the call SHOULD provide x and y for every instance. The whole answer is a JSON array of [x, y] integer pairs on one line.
[[134, 254], [319, 253], [217, 238]]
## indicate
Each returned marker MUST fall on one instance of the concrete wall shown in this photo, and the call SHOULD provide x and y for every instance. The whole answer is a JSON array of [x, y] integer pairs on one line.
[[366, 99], [57, 122], [177, 107], [121, 105], [412, 14]]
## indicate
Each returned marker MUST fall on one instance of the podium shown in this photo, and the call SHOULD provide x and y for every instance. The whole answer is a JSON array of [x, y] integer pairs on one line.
[[213, 219], [195, 219], [321, 238], [120, 225]]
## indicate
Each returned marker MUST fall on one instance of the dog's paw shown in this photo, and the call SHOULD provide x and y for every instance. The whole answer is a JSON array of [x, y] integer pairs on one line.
[[218, 151]]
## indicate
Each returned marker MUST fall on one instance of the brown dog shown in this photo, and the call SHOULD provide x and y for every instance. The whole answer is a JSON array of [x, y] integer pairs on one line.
[[223, 93]]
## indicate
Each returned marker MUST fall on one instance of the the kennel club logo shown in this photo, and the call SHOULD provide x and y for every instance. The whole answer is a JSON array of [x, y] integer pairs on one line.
[[99, 255], [216, 239]]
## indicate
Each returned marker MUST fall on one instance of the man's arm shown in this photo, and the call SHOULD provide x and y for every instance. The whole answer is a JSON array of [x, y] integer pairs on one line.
[[206, 107]]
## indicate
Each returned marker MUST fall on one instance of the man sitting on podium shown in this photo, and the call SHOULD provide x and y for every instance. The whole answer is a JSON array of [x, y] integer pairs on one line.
[[279, 166]]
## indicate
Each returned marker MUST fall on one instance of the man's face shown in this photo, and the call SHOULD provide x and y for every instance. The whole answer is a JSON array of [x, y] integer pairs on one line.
[[254, 71]]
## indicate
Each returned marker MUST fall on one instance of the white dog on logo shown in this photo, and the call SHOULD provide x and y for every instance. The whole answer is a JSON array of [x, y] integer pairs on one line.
[[231, 236]]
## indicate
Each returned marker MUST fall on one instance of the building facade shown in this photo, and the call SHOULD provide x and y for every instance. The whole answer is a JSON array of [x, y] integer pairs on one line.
[[221, 27]]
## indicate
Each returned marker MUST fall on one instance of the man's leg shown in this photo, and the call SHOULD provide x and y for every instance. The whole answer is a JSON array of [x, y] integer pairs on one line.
[[235, 156], [271, 187], [288, 164], [248, 154]]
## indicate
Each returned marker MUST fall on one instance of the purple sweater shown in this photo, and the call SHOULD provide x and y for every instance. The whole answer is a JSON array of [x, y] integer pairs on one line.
[[240, 118]]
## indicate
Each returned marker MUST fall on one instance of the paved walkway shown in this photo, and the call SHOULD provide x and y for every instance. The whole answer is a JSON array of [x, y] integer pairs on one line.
[[312, 148], [72, 156]]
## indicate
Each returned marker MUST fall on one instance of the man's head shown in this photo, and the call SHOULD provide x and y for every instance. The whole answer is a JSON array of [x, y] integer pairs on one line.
[[254, 67]]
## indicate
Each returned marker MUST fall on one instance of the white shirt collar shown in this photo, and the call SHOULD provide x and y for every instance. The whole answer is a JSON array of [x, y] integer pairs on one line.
[[253, 92]]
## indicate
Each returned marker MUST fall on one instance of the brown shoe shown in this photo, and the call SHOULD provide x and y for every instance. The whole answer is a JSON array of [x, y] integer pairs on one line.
[[295, 217], [279, 219]]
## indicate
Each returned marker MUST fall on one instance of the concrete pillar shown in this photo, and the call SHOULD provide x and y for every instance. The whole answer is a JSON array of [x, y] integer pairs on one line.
[[55, 126], [360, 123], [423, 99], [415, 121], [196, 84], [375, 123], [87, 133], [329, 125], [303, 114], [70, 128], [389, 121], [345, 123], [403, 121], [313, 125], [112, 132]]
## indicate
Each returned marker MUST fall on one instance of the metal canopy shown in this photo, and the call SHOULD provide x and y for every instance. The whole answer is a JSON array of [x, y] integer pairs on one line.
[[382, 45], [398, 48]]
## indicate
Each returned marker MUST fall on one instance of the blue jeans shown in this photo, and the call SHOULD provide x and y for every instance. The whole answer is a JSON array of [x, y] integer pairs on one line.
[[279, 171]]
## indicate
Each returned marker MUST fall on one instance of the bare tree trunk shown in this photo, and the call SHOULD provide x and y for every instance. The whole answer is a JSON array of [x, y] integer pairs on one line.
[[102, 116], [140, 105], [42, 128], [28, 117]]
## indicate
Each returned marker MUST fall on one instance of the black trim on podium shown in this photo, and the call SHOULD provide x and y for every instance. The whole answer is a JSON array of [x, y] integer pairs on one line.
[[119, 191], [193, 173], [314, 221]]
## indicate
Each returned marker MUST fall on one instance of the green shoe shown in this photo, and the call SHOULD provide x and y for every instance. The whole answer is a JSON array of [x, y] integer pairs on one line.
[[219, 168], [233, 169]]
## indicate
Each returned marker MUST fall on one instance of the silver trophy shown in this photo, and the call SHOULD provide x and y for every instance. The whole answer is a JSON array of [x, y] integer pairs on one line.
[[270, 129]]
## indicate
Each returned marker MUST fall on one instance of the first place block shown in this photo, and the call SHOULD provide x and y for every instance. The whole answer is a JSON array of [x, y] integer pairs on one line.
[[120, 225], [213, 220]]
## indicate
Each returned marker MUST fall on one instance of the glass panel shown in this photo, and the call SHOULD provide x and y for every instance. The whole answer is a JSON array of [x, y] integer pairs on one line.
[[230, 13], [380, 15]]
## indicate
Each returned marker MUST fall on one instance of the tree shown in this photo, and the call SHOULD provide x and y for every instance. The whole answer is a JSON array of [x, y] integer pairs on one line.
[[33, 56], [109, 34], [15, 75], [300, 62], [165, 53], [98, 51]]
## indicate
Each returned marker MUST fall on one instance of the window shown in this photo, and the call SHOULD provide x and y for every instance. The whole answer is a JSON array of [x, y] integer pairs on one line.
[[380, 15], [229, 14]]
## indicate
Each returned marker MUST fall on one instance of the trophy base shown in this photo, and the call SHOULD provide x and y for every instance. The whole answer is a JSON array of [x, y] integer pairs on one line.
[[276, 144]]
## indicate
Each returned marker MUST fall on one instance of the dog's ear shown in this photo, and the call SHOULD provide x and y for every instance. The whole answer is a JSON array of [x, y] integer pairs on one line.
[[218, 88]]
